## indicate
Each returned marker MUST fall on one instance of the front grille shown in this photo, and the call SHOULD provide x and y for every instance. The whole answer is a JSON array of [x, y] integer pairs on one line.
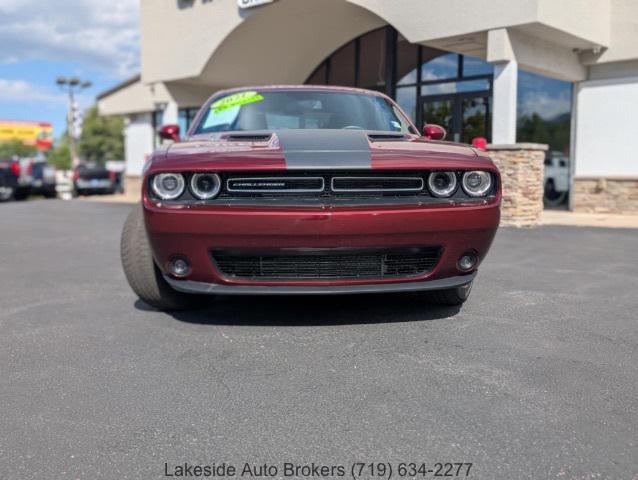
[[275, 184], [377, 184], [324, 186], [327, 264]]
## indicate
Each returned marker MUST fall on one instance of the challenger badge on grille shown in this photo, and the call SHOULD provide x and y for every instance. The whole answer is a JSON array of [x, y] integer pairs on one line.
[[275, 184]]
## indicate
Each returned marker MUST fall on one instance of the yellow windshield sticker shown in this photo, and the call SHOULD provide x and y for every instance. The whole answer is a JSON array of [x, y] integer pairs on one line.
[[235, 100]]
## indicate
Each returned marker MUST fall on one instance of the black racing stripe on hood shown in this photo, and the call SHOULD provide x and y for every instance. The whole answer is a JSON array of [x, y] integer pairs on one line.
[[321, 149]]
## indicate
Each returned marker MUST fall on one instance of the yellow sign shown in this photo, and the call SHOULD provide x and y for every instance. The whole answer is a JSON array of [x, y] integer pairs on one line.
[[235, 100], [38, 134]]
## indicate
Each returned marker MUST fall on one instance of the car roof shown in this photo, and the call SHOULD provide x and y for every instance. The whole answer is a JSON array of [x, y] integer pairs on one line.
[[318, 88]]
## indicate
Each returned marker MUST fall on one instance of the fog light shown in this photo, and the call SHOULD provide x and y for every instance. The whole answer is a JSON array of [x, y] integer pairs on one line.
[[179, 267], [467, 261]]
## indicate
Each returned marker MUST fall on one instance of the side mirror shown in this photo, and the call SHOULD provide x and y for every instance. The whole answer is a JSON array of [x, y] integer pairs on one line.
[[169, 132], [434, 132]]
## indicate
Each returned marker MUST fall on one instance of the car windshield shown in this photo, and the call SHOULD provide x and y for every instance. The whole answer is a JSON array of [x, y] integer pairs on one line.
[[301, 109]]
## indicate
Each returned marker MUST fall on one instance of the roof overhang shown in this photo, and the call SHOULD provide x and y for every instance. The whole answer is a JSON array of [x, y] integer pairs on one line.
[[220, 45]]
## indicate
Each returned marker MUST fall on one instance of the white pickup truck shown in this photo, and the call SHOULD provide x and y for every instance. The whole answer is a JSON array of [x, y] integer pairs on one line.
[[556, 178]]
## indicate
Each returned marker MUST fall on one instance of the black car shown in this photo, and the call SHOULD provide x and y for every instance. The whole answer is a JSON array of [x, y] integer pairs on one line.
[[15, 179], [91, 178], [43, 182]]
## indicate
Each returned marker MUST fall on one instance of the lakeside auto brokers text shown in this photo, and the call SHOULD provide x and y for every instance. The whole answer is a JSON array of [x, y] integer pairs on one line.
[[354, 470]]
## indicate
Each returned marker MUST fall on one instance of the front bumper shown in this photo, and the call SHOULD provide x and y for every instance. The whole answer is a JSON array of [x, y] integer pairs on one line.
[[193, 231], [188, 286]]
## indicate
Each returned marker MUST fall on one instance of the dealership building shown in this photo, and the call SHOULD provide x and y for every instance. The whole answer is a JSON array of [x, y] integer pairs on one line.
[[557, 72]]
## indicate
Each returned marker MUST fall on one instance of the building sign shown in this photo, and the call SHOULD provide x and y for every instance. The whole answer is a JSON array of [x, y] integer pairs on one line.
[[37, 134], [252, 3]]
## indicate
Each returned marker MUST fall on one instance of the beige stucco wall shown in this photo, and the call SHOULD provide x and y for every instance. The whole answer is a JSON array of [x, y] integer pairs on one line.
[[623, 35], [139, 97], [219, 44], [426, 20], [134, 98], [285, 41]]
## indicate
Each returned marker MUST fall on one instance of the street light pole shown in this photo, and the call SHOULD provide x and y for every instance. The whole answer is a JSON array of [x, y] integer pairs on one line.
[[71, 86]]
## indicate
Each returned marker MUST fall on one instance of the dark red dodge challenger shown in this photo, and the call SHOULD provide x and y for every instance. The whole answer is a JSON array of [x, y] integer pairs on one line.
[[309, 190]]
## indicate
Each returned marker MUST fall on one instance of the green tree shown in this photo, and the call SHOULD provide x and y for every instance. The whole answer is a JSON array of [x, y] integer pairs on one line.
[[15, 148], [60, 155], [102, 137]]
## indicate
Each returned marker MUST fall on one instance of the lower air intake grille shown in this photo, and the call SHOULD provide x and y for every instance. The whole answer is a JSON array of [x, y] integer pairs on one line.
[[327, 264]]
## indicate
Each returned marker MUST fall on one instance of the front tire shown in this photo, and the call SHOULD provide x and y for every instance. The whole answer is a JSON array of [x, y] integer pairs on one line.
[[142, 274], [452, 296]]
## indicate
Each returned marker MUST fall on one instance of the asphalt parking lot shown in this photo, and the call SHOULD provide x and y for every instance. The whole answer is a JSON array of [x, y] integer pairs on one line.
[[536, 376]]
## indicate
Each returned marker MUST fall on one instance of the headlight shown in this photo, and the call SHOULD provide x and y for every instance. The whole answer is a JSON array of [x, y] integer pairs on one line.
[[477, 183], [205, 185], [442, 184], [168, 186]]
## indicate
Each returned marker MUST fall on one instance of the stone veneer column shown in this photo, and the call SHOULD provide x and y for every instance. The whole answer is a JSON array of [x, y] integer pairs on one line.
[[522, 174]]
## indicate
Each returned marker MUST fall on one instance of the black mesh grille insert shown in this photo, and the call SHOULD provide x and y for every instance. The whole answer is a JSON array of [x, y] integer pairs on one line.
[[327, 264], [377, 184]]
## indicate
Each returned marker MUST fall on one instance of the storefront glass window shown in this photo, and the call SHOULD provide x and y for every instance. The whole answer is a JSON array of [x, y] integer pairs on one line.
[[342, 66], [372, 60], [319, 76], [186, 117], [406, 98], [544, 111], [441, 67], [183, 121], [430, 85], [476, 66], [407, 62], [156, 121], [455, 87]]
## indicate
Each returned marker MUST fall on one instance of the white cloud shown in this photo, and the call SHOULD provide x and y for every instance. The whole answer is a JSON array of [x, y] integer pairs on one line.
[[19, 91], [99, 34]]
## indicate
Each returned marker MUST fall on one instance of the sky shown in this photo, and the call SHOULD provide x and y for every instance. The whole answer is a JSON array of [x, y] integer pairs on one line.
[[92, 39]]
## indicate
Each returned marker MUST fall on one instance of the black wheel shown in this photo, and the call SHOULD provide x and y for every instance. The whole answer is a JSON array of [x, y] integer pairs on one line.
[[142, 274], [50, 194], [551, 196], [450, 296]]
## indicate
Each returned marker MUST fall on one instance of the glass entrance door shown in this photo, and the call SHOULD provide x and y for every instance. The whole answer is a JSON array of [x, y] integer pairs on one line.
[[465, 115]]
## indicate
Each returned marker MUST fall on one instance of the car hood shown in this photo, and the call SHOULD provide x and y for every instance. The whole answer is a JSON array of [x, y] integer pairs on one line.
[[316, 149]]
